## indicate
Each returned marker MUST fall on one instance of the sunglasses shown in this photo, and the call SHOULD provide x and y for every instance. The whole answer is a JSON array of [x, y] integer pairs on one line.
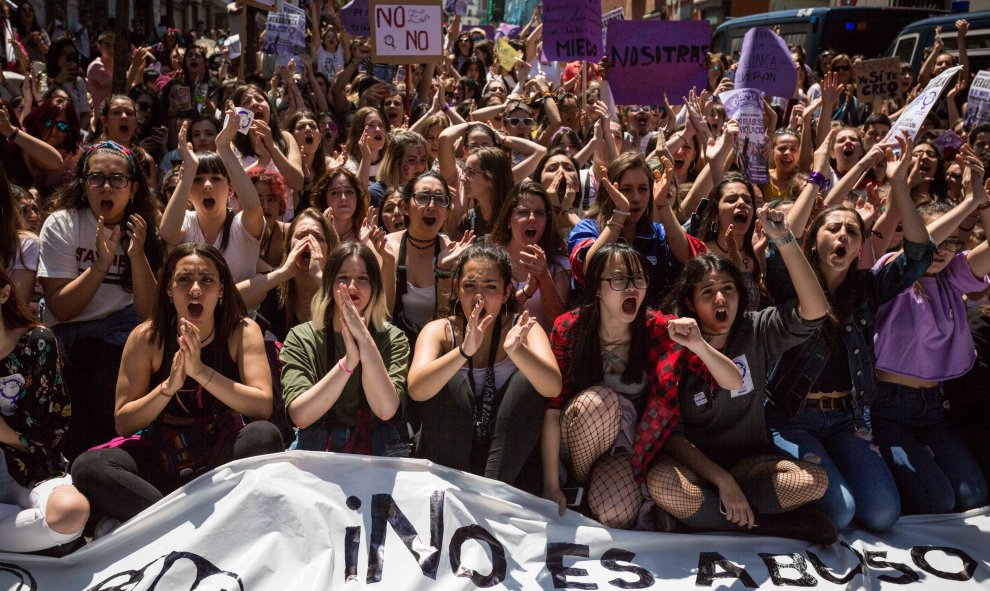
[[517, 121], [62, 126]]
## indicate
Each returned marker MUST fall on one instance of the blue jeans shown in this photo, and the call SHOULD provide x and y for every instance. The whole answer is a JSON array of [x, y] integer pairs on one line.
[[385, 439], [859, 483], [935, 471], [114, 329]]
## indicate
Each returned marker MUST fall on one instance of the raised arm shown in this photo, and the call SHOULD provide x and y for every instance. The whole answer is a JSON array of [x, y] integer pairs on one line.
[[170, 227], [252, 216], [812, 303], [900, 193], [448, 161], [800, 212]]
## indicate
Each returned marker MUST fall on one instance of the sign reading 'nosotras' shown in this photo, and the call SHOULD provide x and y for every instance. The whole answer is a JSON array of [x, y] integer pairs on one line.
[[648, 59]]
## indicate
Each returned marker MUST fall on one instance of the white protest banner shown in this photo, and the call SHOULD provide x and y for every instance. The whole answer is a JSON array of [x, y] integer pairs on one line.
[[914, 114], [285, 33], [877, 79], [616, 14], [406, 32], [233, 44], [745, 105], [309, 521], [978, 103]]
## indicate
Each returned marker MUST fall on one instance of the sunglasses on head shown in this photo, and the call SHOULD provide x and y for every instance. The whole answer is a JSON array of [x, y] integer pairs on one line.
[[62, 126]]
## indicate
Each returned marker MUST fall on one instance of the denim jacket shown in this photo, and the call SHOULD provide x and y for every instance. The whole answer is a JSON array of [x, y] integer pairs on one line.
[[798, 369]]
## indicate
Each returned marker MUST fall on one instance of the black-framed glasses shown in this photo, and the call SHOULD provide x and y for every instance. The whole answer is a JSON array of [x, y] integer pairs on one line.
[[440, 199], [622, 282], [62, 126], [523, 214], [952, 245], [96, 180], [517, 121]]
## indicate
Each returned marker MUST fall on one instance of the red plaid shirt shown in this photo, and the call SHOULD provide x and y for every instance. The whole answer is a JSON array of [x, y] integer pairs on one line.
[[665, 364]]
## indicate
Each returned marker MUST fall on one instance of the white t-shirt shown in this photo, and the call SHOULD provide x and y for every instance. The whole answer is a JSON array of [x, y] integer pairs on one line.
[[330, 64], [242, 248], [78, 92], [27, 255], [68, 242]]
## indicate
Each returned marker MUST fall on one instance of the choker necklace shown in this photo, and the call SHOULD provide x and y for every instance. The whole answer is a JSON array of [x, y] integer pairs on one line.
[[209, 336], [420, 243], [742, 255]]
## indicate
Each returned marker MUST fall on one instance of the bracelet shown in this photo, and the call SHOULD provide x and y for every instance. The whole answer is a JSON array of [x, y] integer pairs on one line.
[[211, 378], [820, 180], [620, 225], [13, 135], [526, 293], [624, 214], [460, 349], [162, 390], [441, 273], [785, 239], [547, 94], [341, 365]]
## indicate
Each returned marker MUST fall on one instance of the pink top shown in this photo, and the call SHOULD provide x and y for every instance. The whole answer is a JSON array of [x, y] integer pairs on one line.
[[923, 332]]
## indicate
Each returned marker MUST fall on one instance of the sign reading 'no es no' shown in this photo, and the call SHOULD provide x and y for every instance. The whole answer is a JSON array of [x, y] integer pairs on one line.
[[407, 32]]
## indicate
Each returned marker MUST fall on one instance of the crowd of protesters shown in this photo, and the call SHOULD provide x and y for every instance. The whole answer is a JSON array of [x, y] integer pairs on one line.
[[491, 266]]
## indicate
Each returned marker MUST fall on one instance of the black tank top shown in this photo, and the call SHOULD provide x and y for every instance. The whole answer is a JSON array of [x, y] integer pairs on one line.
[[192, 400]]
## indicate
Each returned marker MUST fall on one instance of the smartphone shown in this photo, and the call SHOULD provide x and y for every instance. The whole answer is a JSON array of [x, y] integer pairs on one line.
[[731, 75], [574, 495]]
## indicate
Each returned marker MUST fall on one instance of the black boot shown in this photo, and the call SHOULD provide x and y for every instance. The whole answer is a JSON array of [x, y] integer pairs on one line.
[[804, 523]]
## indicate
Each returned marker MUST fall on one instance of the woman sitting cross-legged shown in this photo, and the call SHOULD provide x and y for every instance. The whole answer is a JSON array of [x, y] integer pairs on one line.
[[186, 378]]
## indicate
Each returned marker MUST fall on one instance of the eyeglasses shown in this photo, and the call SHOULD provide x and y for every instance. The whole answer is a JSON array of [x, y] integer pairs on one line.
[[622, 282], [523, 214], [96, 180], [952, 245], [62, 126], [517, 121], [424, 198], [470, 172]]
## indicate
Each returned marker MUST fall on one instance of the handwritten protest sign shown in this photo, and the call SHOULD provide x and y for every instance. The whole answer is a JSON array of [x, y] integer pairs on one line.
[[766, 63], [745, 105], [978, 105], [877, 79], [285, 33], [571, 30], [406, 33], [507, 55], [356, 18], [914, 114], [616, 14], [648, 59]]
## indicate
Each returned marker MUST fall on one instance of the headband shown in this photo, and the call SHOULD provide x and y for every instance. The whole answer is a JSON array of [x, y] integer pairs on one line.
[[556, 134], [109, 146]]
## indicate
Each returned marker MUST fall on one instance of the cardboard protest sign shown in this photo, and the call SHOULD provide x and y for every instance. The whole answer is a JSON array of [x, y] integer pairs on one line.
[[978, 103], [877, 79], [506, 54], [406, 32], [766, 63], [301, 521], [616, 14], [572, 29], [648, 59], [357, 18], [914, 114], [285, 33], [745, 105]]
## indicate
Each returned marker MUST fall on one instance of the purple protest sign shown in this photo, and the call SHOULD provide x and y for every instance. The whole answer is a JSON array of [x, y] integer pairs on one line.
[[572, 30], [648, 59], [745, 105], [356, 16], [766, 63]]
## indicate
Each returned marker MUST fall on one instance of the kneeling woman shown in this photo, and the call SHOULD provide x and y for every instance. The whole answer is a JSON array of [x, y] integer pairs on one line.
[[187, 377], [719, 469], [344, 371], [484, 420], [622, 365]]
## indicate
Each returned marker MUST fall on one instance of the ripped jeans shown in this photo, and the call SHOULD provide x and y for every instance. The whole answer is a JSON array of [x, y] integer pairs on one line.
[[860, 485]]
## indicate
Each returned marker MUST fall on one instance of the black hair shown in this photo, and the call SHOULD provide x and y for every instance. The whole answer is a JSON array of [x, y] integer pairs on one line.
[[679, 300]]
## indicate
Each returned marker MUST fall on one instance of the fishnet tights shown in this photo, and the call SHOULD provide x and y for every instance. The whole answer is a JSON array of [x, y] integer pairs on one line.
[[614, 496], [588, 428], [792, 483]]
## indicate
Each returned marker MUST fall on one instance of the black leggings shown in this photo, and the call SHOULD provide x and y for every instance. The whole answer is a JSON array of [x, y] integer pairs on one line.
[[447, 435], [118, 481]]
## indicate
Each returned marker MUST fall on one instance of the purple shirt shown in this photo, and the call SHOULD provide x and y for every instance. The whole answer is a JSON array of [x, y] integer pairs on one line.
[[923, 333]]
